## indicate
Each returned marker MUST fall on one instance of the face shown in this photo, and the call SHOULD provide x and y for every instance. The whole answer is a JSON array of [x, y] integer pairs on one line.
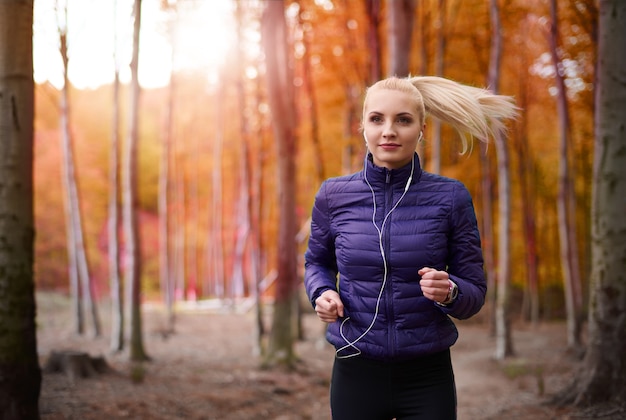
[[392, 127]]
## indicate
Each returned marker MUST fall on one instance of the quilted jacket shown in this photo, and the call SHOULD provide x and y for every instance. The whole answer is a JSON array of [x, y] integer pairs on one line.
[[386, 316]]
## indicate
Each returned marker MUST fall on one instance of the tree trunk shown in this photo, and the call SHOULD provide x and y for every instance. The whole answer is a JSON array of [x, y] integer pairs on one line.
[[180, 216], [504, 342], [487, 177], [487, 235], [131, 205], [424, 24], [567, 220], [78, 255], [20, 375], [244, 229], [165, 263], [435, 156], [309, 85], [281, 100], [602, 379], [215, 244], [256, 258], [526, 176], [115, 282], [373, 8], [400, 29]]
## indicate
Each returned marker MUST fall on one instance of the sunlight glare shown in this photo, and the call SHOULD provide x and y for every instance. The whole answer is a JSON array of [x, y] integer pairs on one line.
[[205, 34]]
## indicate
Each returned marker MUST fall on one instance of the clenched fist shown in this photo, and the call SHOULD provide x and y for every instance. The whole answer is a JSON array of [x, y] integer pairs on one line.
[[329, 306]]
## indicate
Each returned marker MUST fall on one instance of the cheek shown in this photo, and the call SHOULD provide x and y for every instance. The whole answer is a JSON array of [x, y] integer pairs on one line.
[[369, 134]]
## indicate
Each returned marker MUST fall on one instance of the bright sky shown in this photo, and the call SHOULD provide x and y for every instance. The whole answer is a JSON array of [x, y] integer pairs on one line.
[[205, 33]]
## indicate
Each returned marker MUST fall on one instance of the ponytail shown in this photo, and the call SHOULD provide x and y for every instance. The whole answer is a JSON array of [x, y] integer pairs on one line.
[[468, 109]]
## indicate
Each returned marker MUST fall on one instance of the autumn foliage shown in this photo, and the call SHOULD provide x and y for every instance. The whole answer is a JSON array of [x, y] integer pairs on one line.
[[331, 63]]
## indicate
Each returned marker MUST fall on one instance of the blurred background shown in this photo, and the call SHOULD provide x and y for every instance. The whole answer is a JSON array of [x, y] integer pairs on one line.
[[204, 102]]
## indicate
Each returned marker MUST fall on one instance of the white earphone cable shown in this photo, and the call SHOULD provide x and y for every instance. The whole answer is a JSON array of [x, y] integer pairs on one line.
[[352, 344]]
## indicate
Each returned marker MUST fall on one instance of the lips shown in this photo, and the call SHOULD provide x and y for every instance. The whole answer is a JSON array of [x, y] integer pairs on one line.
[[389, 146]]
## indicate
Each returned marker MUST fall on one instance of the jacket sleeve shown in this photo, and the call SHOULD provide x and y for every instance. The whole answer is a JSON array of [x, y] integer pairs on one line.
[[320, 265], [465, 265]]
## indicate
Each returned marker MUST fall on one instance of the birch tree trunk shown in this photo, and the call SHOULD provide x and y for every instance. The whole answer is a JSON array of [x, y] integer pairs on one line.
[[165, 272], [487, 175], [256, 204], [244, 216], [78, 255], [602, 379], [115, 283], [20, 374], [487, 234], [281, 99], [215, 245], [132, 252], [504, 342]]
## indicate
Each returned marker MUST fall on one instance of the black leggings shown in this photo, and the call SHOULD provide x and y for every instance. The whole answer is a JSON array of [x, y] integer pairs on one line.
[[364, 389]]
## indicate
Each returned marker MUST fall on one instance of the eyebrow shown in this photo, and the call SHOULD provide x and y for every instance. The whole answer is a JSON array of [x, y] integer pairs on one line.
[[400, 114]]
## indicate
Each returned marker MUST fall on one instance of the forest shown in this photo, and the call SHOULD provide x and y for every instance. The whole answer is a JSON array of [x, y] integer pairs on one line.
[[175, 166]]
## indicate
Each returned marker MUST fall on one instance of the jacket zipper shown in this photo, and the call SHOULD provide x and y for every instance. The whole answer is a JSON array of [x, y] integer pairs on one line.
[[387, 247]]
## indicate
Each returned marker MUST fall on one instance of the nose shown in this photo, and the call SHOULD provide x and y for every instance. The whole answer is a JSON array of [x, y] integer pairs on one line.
[[388, 130]]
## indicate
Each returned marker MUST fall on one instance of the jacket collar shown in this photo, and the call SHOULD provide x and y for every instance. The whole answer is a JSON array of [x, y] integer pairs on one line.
[[377, 174]]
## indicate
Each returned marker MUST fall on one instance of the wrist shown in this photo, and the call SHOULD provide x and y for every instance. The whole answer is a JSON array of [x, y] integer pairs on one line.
[[453, 292]]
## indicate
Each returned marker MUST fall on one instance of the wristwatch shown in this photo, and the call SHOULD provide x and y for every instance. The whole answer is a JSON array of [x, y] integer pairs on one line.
[[453, 292]]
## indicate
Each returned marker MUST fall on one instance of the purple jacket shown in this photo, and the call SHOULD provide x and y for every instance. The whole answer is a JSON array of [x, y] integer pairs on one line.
[[434, 225]]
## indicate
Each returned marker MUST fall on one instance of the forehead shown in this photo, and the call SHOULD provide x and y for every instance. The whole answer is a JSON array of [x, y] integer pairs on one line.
[[390, 101]]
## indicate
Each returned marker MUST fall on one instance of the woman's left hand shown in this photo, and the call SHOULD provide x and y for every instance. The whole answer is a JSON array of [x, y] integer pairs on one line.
[[435, 284]]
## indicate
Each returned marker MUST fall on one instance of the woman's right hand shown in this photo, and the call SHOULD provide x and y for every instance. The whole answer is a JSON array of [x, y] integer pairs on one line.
[[329, 306]]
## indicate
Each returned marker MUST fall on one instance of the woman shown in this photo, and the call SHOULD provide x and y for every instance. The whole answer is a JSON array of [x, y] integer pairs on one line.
[[395, 251]]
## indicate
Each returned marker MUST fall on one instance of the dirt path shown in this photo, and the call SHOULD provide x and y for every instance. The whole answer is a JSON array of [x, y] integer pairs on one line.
[[207, 371]]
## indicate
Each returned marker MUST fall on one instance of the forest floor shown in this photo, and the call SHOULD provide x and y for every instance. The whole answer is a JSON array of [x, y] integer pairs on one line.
[[206, 370]]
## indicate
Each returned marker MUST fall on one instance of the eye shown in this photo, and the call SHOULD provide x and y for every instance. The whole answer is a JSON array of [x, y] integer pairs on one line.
[[375, 118], [405, 120]]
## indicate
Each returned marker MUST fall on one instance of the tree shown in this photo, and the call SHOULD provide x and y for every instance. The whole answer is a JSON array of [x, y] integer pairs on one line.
[[504, 342], [244, 216], [400, 27], [115, 283], [439, 70], [215, 243], [282, 105], [373, 40], [527, 179], [165, 272], [77, 254], [20, 374], [132, 270], [309, 86], [602, 378]]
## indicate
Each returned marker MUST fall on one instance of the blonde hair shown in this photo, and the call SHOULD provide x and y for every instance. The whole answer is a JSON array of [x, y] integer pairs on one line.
[[470, 110]]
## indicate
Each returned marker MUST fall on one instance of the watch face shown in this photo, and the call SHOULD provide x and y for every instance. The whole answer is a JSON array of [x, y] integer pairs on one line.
[[454, 291]]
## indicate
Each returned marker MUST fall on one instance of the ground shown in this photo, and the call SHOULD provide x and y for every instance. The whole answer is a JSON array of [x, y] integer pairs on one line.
[[207, 370]]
